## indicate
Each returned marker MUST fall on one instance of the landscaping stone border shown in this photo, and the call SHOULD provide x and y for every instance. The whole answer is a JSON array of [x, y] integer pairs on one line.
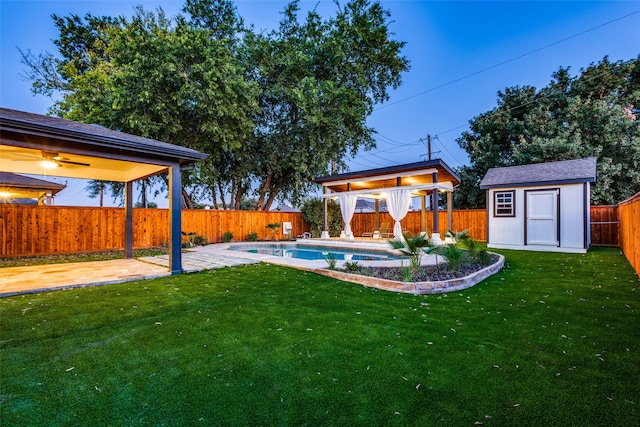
[[418, 288]]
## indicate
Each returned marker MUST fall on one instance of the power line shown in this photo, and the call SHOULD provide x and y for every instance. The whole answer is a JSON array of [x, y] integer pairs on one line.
[[507, 61]]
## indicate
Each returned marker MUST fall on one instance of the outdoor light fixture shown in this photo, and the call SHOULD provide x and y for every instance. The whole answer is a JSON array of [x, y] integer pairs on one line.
[[48, 164]]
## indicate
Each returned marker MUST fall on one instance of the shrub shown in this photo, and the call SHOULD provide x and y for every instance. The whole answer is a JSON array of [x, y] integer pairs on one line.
[[331, 260], [252, 237], [275, 228], [199, 240], [411, 246], [227, 236], [453, 254], [352, 267], [312, 212]]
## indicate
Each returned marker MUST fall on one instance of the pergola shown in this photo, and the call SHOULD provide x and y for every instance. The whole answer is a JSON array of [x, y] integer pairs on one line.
[[37, 144], [397, 185]]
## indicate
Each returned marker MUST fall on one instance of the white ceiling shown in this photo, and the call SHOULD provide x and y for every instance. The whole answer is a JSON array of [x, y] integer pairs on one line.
[[27, 161]]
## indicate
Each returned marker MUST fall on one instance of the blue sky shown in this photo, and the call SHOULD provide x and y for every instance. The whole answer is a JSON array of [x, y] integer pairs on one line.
[[462, 53]]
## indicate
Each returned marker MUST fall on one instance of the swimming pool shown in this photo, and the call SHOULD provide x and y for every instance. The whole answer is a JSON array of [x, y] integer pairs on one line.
[[314, 253]]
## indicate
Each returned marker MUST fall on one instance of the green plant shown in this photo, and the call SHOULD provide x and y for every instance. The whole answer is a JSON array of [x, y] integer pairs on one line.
[[411, 246], [331, 260], [252, 237], [227, 237], [313, 214], [189, 236], [407, 272], [352, 267], [479, 254], [482, 256], [275, 229], [200, 240], [454, 255]]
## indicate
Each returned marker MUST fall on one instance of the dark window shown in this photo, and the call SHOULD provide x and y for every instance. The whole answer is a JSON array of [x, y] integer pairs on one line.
[[504, 203]]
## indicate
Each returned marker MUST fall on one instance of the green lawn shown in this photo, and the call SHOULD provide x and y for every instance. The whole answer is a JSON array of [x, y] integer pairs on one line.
[[552, 340]]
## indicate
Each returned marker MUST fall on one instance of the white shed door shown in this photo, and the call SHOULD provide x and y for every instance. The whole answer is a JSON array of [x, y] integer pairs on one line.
[[542, 218]]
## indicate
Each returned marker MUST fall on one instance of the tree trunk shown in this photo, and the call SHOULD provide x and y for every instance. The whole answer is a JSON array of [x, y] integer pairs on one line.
[[273, 193], [224, 204], [214, 196], [263, 192], [143, 196], [239, 195], [186, 199]]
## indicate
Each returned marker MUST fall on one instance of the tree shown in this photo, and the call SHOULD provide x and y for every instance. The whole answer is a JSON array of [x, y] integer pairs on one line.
[[319, 80], [272, 110], [176, 83], [591, 114]]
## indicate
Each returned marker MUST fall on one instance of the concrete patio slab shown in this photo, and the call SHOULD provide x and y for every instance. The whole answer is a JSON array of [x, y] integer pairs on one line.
[[40, 278], [47, 277]]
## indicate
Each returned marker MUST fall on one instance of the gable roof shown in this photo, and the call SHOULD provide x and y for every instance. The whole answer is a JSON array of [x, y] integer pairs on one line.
[[89, 151], [8, 179], [562, 172]]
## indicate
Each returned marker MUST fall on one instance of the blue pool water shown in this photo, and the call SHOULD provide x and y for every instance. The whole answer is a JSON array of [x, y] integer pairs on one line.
[[314, 252]]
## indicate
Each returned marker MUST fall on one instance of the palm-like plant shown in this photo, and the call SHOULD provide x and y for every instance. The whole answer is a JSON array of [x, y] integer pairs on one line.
[[412, 246]]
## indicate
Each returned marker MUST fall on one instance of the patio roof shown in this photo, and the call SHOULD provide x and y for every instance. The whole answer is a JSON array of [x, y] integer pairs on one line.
[[85, 151], [36, 144], [13, 186], [419, 177]]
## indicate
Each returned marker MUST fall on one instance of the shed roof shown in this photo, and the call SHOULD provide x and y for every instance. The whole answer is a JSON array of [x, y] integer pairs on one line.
[[562, 172]]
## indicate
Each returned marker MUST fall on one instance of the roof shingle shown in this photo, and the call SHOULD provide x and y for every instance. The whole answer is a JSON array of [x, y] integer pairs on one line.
[[562, 172]]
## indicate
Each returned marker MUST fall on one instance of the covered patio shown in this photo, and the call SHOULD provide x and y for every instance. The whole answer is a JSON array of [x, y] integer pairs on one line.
[[48, 146], [398, 185]]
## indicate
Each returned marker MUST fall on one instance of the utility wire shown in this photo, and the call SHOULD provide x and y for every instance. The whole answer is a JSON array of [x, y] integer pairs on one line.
[[507, 61], [398, 144]]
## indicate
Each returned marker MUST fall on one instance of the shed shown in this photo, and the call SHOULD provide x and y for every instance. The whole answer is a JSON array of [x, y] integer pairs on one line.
[[540, 207]]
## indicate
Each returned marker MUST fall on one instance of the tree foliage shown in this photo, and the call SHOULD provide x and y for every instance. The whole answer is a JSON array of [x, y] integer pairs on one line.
[[592, 114], [271, 109]]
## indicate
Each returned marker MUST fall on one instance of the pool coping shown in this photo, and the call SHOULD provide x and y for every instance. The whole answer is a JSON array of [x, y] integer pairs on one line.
[[321, 266]]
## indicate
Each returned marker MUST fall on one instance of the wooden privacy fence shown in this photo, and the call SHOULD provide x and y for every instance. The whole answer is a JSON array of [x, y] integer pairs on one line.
[[474, 220], [629, 215], [42, 230], [604, 225]]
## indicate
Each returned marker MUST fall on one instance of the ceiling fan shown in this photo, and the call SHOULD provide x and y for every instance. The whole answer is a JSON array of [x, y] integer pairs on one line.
[[51, 159]]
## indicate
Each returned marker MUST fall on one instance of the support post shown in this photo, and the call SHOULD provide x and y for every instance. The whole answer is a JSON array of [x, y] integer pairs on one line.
[[325, 217], [128, 221], [423, 214], [175, 219], [449, 210], [435, 236]]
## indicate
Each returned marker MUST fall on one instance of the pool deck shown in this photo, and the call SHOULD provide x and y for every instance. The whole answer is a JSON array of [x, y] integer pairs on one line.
[[49, 277]]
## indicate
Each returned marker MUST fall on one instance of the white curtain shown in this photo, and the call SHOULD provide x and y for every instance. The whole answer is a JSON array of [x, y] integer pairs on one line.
[[398, 202], [348, 208]]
